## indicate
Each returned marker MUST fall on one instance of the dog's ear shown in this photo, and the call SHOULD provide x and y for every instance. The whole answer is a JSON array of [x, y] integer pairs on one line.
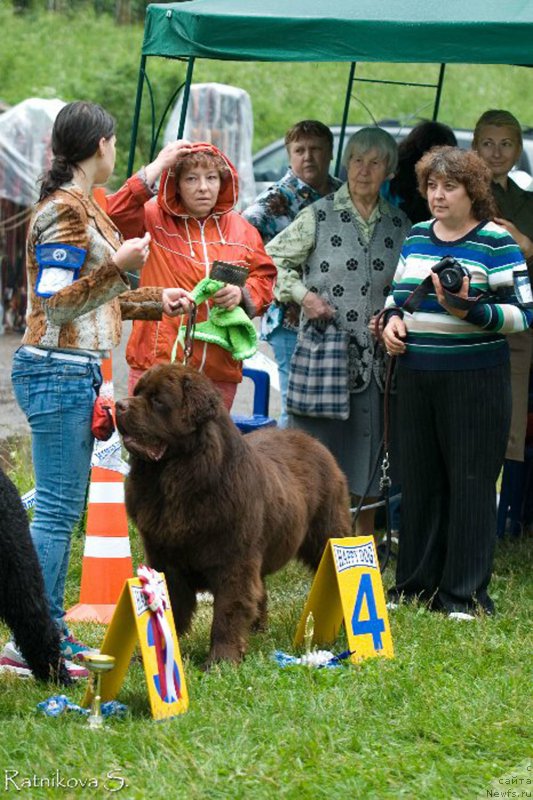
[[201, 401]]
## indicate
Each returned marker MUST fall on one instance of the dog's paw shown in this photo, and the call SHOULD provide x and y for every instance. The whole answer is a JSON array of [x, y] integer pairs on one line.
[[223, 653], [260, 625], [61, 675]]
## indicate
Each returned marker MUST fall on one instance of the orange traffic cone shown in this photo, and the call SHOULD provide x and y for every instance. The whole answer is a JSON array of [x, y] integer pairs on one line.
[[107, 556]]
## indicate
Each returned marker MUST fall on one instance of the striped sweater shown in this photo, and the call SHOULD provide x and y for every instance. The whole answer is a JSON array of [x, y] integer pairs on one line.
[[438, 340]]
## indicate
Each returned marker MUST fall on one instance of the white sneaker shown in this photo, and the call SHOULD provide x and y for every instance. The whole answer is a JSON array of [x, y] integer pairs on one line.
[[394, 537], [462, 615], [204, 597], [11, 661]]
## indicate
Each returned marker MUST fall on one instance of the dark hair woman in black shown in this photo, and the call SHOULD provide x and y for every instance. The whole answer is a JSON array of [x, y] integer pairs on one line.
[[403, 187]]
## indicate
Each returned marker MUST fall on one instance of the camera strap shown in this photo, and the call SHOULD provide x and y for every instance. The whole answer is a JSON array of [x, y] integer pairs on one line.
[[417, 295]]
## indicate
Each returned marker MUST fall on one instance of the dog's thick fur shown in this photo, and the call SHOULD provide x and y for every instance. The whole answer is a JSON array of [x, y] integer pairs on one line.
[[218, 510], [23, 602]]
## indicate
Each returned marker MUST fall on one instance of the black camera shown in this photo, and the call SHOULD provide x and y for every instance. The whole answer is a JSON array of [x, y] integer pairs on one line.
[[451, 274]]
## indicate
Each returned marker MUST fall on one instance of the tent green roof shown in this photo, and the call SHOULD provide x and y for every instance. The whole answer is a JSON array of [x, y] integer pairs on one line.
[[404, 31], [436, 31]]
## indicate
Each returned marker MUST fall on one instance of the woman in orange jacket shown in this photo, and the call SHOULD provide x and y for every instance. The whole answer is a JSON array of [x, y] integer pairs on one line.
[[192, 223]]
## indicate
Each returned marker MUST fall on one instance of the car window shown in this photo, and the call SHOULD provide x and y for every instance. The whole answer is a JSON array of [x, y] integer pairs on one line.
[[272, 165]]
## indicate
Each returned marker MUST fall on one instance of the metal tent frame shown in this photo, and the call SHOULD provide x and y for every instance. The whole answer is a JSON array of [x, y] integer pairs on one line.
[[414, 31]]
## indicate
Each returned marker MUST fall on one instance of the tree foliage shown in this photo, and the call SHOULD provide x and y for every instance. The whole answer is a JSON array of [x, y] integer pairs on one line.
[[124, 12]]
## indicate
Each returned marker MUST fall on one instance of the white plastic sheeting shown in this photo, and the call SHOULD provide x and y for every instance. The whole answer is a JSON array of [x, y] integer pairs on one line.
[[221, 115], [25, 152]]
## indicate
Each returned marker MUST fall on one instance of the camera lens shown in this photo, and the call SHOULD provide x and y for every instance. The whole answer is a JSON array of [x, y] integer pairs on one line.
[[451, 279]]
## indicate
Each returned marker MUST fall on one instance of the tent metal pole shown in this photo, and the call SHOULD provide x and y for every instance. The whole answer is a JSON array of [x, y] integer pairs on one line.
[[165, 112], [345, 117], [186, 93], [439, 91], [136, 115]]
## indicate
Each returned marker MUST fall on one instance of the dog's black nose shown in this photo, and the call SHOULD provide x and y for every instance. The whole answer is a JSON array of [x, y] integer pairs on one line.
[[121, 406]]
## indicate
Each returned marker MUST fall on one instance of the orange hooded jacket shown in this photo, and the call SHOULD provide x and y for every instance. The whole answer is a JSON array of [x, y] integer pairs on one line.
[[182, 252]]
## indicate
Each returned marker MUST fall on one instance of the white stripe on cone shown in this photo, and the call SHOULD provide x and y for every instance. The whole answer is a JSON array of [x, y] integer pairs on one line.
[[107, 547], [106, 492]]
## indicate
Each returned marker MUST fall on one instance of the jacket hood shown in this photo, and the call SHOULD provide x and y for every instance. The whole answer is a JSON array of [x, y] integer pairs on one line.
[[170, 201]]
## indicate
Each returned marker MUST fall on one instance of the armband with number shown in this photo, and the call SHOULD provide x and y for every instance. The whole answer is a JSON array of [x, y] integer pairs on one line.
[[59, 266]]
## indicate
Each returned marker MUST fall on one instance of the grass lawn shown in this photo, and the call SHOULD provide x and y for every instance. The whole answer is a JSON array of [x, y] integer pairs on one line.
[[446, 718]]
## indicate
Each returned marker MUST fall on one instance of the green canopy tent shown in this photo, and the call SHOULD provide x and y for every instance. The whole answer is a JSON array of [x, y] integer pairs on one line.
[[416, 31]]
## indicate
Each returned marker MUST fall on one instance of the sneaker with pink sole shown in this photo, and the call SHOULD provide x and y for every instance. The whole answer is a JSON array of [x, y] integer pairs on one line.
[[11, 661]]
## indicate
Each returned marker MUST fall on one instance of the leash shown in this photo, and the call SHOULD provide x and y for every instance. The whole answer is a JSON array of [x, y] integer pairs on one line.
[[188, 341], [385, 481]]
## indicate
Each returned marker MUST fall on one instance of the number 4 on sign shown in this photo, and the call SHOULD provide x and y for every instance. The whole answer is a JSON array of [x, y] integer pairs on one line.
[[347, 588]]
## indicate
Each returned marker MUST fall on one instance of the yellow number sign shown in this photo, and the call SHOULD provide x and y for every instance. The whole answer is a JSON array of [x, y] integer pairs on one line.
[[133, 622], [347, 588]]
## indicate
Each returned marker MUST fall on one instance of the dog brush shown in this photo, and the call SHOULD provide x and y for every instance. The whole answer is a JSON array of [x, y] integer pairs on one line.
[[229, 273]]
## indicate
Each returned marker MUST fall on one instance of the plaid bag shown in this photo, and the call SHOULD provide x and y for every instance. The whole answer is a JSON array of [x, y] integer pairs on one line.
[[318, 377]]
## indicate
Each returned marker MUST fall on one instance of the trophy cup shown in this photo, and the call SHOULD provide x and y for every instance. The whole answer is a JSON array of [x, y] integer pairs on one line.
[[97, 663]]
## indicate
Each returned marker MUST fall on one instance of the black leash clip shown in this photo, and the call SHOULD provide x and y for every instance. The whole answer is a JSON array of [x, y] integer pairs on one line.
[[188, 342], [385, 481]]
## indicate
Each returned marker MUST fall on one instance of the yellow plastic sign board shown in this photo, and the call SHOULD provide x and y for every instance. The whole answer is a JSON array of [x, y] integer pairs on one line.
[[133, 623], [347, 587]]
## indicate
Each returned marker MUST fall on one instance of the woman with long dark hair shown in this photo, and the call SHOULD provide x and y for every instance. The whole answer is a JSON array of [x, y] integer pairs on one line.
[[79, 292], [403, 188]]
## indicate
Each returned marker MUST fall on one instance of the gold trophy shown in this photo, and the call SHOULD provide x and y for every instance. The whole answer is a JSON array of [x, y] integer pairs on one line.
[[97, 663]]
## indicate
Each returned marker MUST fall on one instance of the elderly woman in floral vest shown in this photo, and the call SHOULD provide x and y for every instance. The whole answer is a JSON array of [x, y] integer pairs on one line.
[[337, 259]]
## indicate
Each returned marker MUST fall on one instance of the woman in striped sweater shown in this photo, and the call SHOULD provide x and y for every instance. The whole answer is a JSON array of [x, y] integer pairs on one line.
[[454, 397]]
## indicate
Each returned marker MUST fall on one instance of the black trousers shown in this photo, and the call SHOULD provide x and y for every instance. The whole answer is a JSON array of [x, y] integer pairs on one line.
[[452, 433]]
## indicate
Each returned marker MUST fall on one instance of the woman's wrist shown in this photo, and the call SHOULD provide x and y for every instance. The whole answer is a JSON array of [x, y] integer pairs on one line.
[[145, 178], [389, 313], [528, 250]]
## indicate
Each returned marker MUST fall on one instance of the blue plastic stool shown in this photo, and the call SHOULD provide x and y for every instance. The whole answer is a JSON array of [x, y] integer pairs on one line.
[[259, 418]]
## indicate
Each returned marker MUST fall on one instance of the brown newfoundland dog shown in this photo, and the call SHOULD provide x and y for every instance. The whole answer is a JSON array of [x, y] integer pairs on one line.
[[218, 510]]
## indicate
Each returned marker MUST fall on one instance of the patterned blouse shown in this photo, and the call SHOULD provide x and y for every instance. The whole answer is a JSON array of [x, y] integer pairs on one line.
[[273, 211]]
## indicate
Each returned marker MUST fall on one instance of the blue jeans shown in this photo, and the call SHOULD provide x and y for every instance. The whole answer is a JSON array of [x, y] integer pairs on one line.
[[57, 398], [283, 342]]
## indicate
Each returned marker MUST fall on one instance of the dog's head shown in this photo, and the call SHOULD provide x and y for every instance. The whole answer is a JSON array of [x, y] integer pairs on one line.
[[170, 404]]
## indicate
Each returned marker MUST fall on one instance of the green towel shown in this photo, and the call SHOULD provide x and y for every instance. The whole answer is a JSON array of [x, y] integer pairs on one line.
[[232, 330]]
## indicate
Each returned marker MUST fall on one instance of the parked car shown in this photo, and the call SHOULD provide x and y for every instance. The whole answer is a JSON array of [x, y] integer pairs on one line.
[[271, 162]]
